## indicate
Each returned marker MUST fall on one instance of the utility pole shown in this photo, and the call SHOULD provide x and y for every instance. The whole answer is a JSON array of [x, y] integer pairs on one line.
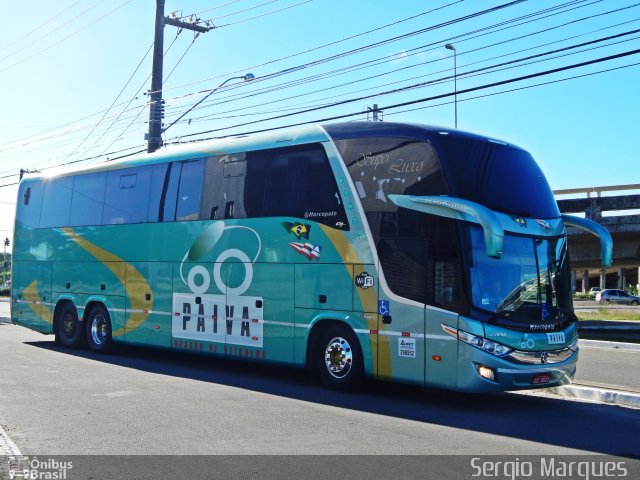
[[26, 170], [376, 113], [155, 101]]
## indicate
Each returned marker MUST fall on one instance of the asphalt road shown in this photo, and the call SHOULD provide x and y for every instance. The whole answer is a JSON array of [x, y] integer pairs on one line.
[[55, 401], [617, 368]]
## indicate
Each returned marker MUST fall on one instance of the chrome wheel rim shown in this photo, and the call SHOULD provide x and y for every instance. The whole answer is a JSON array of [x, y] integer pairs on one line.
[[98, 329], [338, 357]]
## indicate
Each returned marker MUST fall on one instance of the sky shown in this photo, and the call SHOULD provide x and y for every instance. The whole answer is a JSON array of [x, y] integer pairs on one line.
[[74, 76]]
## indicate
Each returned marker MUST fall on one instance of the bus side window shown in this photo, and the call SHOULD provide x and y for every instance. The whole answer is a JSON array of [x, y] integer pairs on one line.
[[87, 201], [300, 183], [190, 190], [282, 185], [127, 196], [319, 191], [227, 179], [29, 204], [56, 202], [165, 178]]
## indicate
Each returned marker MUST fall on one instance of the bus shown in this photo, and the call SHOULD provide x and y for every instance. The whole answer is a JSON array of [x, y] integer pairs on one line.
[[390, 251]]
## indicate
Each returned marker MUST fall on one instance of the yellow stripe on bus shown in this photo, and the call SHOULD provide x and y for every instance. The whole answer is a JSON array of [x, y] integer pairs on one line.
[[32, 297], [368, 299], [135, 289]]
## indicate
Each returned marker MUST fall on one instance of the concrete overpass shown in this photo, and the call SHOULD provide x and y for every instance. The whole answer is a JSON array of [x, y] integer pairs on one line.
[[612, 211]]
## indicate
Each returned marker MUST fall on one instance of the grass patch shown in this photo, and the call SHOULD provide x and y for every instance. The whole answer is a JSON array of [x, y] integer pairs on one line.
[[602, 313]]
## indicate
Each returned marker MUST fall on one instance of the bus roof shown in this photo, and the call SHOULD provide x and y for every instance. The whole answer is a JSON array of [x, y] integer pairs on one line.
[[292, 136]]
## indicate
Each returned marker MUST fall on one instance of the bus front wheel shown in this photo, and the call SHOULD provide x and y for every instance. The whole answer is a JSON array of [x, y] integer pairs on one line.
[[339, 359], [99, 329], [68, 328]]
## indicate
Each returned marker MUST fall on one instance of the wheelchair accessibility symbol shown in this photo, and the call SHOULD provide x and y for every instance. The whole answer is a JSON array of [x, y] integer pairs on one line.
[[383, 307]]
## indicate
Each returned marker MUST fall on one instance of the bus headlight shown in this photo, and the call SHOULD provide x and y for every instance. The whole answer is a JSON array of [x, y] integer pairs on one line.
[[494, 348]]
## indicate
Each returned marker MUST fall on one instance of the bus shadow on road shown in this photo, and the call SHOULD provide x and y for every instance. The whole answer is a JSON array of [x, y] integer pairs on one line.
[[599, 428]]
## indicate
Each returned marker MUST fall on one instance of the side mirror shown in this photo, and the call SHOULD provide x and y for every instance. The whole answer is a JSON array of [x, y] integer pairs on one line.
[[458, 209], [606, 242]]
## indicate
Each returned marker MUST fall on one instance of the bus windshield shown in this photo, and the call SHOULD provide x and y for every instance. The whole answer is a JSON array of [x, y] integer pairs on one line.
[[529, 284]]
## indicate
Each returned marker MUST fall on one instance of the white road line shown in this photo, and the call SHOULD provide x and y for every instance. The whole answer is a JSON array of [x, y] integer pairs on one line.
[[602, 344], [7, 447]]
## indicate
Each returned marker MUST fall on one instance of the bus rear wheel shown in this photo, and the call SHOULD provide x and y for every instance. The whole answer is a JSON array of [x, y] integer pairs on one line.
[[99, 329], [68, 327], [339, 359]]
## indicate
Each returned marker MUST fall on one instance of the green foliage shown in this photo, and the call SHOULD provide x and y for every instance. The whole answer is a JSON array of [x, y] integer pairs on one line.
[[633, 289], [580, 296], [602, 313]]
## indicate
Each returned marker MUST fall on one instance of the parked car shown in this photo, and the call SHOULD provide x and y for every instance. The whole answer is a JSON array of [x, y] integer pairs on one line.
[[593, 291], [617, 296]]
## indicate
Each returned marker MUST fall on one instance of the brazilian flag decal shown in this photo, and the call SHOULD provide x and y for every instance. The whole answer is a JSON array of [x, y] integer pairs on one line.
[[298, 229]]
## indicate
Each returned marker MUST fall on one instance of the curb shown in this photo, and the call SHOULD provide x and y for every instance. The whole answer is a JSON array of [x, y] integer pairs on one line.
[[600, 395]]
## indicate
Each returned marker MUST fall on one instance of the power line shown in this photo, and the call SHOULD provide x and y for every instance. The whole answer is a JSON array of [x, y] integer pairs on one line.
[[241, 97], [244, 10], [526, 87], [273, 61], [253, 67], [333, 87], [264, 14], [46, 22], [469, 74], [52, 31], [65, 38], [435, 97], [459, 92], [382, 42], [384, 59], [214, 8], [110, 107]]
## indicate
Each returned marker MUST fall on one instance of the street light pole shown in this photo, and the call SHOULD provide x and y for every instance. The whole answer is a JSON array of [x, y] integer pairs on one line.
[[247, 78], [449, 46]]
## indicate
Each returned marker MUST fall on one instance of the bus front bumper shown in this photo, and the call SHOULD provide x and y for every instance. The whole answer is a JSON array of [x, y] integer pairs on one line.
[[483, 372]]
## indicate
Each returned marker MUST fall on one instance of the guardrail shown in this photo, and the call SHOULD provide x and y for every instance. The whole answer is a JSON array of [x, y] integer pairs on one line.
[[597, 190]]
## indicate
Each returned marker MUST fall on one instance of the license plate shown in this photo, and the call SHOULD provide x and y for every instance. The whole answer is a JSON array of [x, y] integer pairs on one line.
[[541, 379], [555, 338]]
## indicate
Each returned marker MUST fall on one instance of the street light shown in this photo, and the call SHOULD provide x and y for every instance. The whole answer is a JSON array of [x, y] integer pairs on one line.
[[448, 46], [247, 78]]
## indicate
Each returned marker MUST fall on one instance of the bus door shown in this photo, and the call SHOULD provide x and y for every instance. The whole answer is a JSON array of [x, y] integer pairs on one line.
[[34, 295], [441, 367], [400, 310], [401, 343]]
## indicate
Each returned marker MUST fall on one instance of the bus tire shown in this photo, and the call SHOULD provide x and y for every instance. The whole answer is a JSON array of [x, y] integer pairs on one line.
[[68, 327], [99, 329], [338, 359]]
